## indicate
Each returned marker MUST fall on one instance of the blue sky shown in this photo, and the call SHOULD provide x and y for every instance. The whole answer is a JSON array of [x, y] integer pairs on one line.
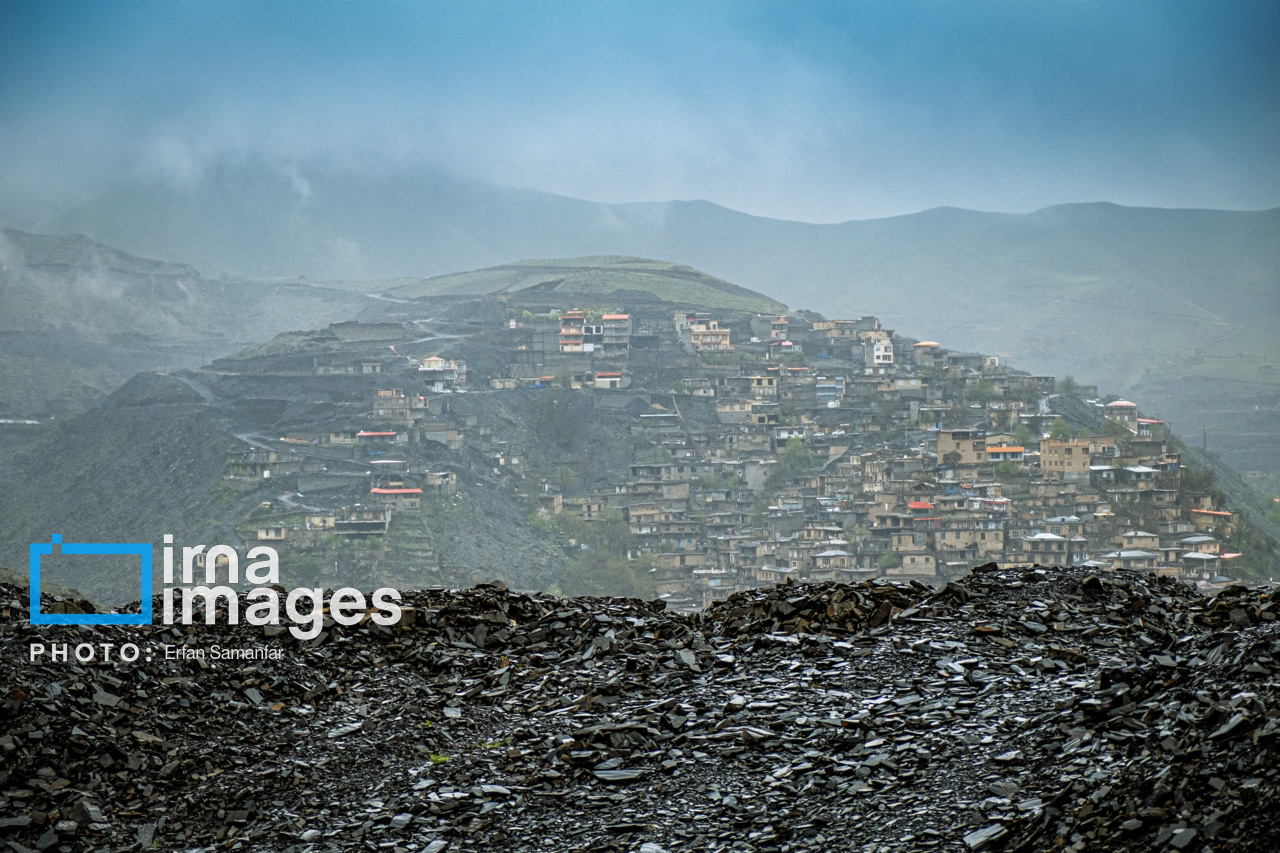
[[814, 111]]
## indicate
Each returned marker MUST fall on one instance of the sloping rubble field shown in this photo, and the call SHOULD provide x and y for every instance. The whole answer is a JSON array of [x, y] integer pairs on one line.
[[1036, 709]]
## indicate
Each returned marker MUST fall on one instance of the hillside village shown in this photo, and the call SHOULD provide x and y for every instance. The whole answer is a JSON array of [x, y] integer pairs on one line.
[[734, 450]]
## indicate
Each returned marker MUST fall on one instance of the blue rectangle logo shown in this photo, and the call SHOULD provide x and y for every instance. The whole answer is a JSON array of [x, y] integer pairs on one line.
[[141, 549]]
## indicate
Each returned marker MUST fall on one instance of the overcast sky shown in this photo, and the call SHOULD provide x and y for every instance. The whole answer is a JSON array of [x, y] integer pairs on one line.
[[814, 111]]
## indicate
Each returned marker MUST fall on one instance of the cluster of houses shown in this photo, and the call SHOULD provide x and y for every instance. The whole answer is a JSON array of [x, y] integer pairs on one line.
[[776, 447], [717, 520], [710, 511]]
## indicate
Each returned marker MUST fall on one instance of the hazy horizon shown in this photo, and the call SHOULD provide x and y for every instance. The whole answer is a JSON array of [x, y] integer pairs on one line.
[[820, 112]]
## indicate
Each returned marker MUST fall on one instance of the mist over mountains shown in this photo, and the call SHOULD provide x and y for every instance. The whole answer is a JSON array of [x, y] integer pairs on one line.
[[78, 318], [1175, 307]]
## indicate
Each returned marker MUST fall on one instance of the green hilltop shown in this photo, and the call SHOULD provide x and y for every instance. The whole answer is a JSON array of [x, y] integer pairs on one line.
[[613, 278]]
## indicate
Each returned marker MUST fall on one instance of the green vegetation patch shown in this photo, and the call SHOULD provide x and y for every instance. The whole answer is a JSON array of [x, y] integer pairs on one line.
[[608, 277]]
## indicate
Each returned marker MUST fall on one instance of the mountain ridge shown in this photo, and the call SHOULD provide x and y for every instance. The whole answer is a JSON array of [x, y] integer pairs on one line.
[[1132, 298]]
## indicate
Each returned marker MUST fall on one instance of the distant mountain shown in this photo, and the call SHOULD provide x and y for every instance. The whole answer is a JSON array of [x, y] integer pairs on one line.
[[620, 279], [1175, 307], [78, 318]]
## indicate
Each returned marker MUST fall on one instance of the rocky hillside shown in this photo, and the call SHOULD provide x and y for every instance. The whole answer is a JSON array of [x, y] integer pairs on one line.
[[1025, 710], [152, 459], [147, 461], [78, 318]]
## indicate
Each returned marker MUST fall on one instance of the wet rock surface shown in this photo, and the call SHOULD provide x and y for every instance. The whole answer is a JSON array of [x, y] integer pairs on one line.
[[1032, 709]]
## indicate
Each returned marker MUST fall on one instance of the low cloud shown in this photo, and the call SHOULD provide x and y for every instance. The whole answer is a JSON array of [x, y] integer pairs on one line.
[[808, 113]]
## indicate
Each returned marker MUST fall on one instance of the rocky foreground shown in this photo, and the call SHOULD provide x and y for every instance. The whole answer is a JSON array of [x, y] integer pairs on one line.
[[1037, 709]]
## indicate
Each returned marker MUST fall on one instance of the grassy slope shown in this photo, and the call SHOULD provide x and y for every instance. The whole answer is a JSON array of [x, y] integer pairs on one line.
[[596, 276]]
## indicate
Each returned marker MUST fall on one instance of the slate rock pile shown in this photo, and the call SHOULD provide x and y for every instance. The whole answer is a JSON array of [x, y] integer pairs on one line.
[[834, 609], [1029, 709]]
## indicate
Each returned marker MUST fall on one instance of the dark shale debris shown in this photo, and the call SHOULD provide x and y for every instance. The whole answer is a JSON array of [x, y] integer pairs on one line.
[[1019, 710]]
